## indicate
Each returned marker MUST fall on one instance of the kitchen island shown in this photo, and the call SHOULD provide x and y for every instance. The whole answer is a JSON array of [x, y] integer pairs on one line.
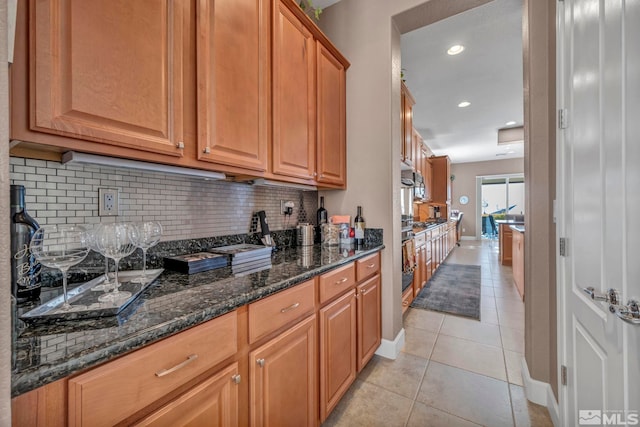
[[505, 239], [176, 302]]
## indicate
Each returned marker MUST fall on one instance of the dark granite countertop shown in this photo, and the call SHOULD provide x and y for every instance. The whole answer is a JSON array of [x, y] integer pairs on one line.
[[45, 353], [518, 228]]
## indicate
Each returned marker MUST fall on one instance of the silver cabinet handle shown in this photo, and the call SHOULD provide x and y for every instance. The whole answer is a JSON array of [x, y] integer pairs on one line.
[[180, 145], [164, 372], [629, 313], [236, 379], [612, 296], [291, 307], [260, 362], [207, 150], [344, 279], [371, 265]]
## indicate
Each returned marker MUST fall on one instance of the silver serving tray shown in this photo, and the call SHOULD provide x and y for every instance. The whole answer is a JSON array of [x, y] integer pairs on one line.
[[84, 300]]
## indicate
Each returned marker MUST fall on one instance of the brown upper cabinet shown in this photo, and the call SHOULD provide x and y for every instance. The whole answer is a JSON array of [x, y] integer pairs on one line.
[[407, 103], [427, 175], [294, 104], [441, 171], [233, 86], [332, 140], [309, 111], [109, 72], [251, 88]]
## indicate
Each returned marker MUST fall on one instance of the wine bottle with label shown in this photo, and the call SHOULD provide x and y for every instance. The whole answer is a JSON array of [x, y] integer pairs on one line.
[[321, 218], [359, 225], [25, 270]]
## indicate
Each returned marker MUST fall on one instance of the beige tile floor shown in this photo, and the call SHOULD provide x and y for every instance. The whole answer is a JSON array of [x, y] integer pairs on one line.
[[453, 371]]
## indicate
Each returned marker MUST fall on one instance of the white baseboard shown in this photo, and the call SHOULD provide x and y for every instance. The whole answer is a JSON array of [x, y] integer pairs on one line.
[[541, 393], [391, 349]]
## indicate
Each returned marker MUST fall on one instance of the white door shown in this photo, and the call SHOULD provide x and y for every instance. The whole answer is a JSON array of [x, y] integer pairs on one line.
[[599, 208]]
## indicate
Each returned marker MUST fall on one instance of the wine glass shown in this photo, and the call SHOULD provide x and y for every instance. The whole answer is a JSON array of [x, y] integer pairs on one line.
[[60, 246], [114, 241], [145, 235], [93, 245]]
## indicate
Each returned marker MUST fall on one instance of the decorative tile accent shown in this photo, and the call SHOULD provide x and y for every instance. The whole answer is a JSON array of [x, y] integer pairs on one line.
[[188, 208]]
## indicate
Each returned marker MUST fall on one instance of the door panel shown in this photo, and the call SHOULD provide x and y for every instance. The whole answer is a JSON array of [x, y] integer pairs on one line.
[[598, 179]]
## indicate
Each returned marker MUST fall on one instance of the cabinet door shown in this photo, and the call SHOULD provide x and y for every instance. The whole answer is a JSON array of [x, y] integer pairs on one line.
[[332, 149], [407, 125], [426, 175], [109, 71], [213, 403], [232, 93], [369, 327], [337, 351], [283, 381], [294, 101]]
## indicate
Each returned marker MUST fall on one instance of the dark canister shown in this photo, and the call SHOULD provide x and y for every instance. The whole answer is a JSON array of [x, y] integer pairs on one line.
[[25, 270]]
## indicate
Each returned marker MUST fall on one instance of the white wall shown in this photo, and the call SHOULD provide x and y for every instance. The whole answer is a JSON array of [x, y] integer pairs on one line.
[[365, 32], [5, 275]]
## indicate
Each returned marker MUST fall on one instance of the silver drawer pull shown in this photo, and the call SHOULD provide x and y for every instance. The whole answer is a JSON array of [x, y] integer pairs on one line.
[[344, 279], [260, 362], [291, 307], [371, 265], [164, 372], [236, 379]]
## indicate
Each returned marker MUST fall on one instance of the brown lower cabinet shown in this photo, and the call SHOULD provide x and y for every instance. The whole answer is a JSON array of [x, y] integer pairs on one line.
[[337, 351], [257, 365], [214, 402], [369, 320], [282, 378]]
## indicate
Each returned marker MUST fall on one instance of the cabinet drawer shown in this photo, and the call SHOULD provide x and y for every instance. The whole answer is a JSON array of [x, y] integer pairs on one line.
[[276, 311], [420, 239], [367, 267], [336, 282], [112, 392]]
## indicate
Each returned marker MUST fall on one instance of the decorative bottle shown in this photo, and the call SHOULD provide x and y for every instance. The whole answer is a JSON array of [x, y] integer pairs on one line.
[[359, 225], [321, 218], [25, 270]]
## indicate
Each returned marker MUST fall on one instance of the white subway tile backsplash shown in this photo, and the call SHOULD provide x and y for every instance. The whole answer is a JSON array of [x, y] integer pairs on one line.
[[186, 207]]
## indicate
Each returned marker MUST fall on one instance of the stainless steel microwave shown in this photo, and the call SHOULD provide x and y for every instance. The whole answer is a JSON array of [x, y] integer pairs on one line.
[[414, 180]]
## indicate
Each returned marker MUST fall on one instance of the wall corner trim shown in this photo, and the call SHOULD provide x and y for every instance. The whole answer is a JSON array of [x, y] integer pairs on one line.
[[540, 393], [391, 349]]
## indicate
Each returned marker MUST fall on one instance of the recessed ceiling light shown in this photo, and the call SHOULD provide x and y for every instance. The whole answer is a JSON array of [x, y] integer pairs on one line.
[[464, 104], [511, 123], [455, 49]]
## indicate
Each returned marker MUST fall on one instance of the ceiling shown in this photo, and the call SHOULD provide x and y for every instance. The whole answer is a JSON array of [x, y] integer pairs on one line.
[[488, 74]]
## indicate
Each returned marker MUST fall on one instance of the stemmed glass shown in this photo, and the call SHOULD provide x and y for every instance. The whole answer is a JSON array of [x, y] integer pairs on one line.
[[93, 245], [145, 235], [60, 246], [114, 241]]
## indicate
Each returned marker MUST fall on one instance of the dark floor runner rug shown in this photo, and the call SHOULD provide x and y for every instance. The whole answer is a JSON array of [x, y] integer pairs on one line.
[[455, 289]]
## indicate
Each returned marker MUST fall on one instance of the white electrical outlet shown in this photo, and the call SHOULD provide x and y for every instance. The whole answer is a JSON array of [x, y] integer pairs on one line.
[[108, 202], [286, 207]]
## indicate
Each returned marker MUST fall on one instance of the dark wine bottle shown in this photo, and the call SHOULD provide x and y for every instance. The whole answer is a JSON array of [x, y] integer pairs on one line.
[[359, 225], [321, 218], [25, 269]]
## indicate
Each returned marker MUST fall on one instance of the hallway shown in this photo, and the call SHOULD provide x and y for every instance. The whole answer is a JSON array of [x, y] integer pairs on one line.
[[452, 371]]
